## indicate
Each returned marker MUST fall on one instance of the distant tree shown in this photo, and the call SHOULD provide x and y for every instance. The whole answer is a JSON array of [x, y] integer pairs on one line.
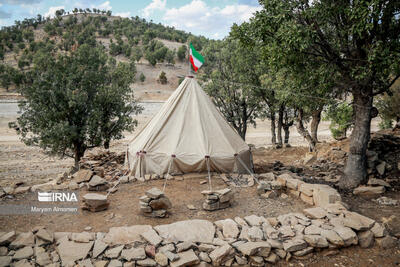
[[170, 56], [67, 110], [137, 53], [341, 118], [231, 84], [142, 77], [389, 107], [182, 52], [5, 76], [151, 58], [59, 12], [163, 78]]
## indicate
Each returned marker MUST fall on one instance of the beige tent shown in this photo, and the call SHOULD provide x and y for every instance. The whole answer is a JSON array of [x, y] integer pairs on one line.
[[188, 135]]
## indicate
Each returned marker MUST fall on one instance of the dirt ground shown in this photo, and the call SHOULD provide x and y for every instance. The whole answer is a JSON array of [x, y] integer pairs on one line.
[[124, 208]]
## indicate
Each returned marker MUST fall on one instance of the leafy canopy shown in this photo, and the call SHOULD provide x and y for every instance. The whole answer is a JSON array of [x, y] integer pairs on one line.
[[76, 101]]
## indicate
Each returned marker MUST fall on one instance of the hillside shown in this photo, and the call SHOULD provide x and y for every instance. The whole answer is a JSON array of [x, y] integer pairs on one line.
[[152, 47]]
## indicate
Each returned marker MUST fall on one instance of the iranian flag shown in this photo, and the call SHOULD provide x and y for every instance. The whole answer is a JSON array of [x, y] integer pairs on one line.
[[195, 58]]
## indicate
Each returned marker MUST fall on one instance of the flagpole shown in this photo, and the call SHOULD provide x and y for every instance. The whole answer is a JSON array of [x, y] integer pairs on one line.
[[188, 58]]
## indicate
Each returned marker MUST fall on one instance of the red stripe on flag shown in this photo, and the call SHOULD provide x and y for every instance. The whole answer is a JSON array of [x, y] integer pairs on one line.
[[191, 61]]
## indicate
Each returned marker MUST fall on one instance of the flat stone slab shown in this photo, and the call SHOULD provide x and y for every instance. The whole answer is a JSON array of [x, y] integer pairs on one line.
[[70, 251], [22, 240], [154, 193], [186, 258], [82, 176], [125, 234], [218, 255], [152, 237], [294, 245], [357, 221], [229, 228], [23, 253], [315, 213], [251, 248], [369, 190], [191, 230]]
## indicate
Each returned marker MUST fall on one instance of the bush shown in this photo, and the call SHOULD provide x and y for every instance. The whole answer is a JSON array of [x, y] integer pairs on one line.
[[163, 78], [142, 77], [341, 117], [182, 52]]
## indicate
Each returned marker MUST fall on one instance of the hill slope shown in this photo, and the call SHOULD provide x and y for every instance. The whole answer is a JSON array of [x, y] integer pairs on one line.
[[153, 47]]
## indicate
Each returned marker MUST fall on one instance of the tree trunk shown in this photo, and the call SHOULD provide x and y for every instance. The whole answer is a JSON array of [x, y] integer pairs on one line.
[[316, 118], [397, 125], [243, 132], [273, 134], [79, 151], [303, 132], [280, 124], [355, 172], [287, 132]]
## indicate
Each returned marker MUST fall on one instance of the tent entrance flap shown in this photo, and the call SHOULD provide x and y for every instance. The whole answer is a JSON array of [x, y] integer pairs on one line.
[[189, 127]]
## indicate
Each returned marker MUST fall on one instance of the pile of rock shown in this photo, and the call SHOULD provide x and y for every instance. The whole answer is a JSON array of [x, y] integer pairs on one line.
[[237, 179], [97, 184], [154, 203], [269, 188], [95, 202], [219, 199]]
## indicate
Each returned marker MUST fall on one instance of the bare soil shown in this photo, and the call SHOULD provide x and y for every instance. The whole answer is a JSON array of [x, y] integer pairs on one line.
[[124, 207]]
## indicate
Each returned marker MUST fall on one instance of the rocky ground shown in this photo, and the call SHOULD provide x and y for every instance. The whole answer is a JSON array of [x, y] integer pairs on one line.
[[314, 236]]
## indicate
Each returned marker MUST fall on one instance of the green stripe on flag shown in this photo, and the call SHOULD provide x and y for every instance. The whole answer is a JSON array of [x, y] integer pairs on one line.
[[196, 54]]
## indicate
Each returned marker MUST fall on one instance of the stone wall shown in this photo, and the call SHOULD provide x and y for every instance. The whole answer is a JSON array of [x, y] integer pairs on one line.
[[252, 240]]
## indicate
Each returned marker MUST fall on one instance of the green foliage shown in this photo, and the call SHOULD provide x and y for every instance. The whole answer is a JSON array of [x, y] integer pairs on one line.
[[230, 72], [142, 78], [170, 56], [137, 53], [155, 51], [163, 78], [385, 124], [76, 101], [341, 118], [389, 107], [182, 52]]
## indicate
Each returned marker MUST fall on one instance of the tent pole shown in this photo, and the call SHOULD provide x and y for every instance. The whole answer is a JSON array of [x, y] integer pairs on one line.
[[247, 169], [209, 175], [166, 177], [188, 58]]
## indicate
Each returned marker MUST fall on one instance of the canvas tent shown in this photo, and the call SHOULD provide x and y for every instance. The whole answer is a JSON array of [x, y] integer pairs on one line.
[[187, 135]]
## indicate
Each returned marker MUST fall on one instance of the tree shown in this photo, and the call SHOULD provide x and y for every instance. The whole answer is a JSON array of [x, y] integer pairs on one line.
[[182, 52], [137, 53], [341, 118], [170, 56], [76, 101], [230, 74], [142, 78], [357, 41], [163, 78], [389, 107]]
